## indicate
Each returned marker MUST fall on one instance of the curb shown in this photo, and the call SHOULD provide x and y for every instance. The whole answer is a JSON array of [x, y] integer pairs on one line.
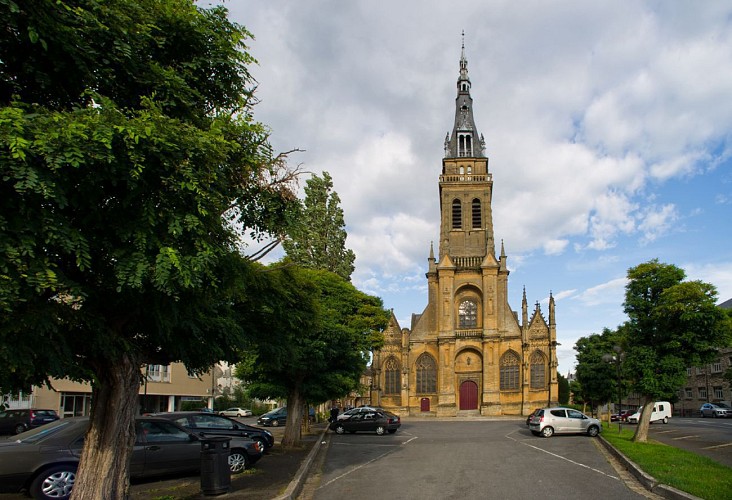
[[649, 482], [296, 484]]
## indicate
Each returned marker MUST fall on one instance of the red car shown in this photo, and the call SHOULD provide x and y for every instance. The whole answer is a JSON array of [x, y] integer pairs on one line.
[[622, 416]]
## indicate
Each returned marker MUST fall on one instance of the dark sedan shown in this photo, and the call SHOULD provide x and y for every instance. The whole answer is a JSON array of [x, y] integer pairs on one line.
[[218, 425], [43, 461], [379, 422]]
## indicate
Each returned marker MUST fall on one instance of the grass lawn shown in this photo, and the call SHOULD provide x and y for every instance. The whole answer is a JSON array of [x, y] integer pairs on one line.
[[681, 469]]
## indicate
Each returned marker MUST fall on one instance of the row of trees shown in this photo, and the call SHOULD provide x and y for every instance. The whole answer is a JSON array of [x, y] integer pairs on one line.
[[673, 323], [131, 170]]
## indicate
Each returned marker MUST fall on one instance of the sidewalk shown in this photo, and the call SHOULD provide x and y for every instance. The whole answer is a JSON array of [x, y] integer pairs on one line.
[[277, 474]]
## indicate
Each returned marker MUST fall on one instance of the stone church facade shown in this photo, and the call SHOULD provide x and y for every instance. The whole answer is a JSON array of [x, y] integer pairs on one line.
[[468, 352]]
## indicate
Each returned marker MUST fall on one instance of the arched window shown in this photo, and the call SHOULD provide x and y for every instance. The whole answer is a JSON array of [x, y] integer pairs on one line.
[[392, 376], [538, 371], [457, 214], [509, 371], [467, 314], [426, 374], [477, 218]]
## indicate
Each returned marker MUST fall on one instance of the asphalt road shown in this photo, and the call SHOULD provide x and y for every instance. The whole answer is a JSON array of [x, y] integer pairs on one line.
[[466, 459]]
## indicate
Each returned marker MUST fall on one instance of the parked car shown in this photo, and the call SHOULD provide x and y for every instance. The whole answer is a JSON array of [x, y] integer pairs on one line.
[[380, 422], [278, 416], [218, 425], [715, 410], [20, 420], [528, 419], [549, 421], [661, 413], [236, 412], [621, 416], [355, 411], [43, 461]]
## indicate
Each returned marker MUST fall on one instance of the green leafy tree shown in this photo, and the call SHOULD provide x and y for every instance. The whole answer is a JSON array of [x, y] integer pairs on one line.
[[597, 378], [325, 329], [563, 387], [317, 239], [130, 164], [672, 324]]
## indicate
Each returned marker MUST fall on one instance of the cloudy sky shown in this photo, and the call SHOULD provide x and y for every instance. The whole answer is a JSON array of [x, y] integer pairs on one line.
[[607, 125]]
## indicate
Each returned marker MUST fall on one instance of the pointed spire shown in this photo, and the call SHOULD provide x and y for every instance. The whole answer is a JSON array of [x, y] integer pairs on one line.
[[432, 251], [465, 142], [503, 251]]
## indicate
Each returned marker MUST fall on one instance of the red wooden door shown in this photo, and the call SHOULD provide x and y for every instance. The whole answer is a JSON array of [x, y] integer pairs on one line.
[[468, 395], [424, 404]]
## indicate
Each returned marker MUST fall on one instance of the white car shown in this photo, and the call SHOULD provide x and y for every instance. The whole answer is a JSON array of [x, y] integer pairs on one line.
[[236, 412]]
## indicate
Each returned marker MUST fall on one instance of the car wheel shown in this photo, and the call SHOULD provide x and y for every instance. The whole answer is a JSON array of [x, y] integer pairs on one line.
[[340, 429], [275, 423], [547, 432], [19, 428], [54, 483], [665, 420], [262, 444], [238, 461], [380, 430], [593, 431]]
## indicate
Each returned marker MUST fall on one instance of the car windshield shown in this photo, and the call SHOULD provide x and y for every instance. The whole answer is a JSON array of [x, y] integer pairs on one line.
[[40, 433]]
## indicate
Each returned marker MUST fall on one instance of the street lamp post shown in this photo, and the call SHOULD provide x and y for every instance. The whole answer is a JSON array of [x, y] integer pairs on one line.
[[616, 357]]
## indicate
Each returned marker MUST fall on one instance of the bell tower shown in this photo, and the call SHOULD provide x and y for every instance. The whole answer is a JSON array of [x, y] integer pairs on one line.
[[466, 226]]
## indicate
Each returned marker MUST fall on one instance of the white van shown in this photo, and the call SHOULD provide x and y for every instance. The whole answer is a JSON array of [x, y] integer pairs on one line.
[[661, 412]]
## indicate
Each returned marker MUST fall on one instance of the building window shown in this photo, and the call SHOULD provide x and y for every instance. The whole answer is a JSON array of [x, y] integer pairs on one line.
[[538, 371], [718, 393], [717, 366], [509, 371], [689, 393], [426, 374], [158, 373], [465, 145], [477, 218], [688, 372], [457, 214], [698, 371], [702, 393], [468, 314], [391, 376]]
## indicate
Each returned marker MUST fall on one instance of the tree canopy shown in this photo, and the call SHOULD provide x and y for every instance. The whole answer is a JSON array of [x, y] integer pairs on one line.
[[131, 165], [317, 238], [325, 328], [672, 324]]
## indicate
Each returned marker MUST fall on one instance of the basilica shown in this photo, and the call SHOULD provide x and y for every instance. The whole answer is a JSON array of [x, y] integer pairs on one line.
[[468, 352]]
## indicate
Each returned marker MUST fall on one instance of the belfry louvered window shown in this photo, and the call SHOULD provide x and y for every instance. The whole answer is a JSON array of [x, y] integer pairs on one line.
[[426, 374], [477, 219], [457, 214], [509, 371], [465, 145], [391, 376]]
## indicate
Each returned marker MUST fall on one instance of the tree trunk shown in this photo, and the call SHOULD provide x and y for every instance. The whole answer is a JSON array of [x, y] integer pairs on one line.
[[293, 429], [641, 432], [105, 459]]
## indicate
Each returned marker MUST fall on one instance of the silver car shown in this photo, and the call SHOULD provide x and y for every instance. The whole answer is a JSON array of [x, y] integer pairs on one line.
[[715, 410], [549, 421]]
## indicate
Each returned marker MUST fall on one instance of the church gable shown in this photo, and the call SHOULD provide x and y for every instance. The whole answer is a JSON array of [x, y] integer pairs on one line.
[[538, 326]]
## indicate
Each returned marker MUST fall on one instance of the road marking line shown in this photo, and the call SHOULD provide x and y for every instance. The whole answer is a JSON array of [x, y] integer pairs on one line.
[[563, 458], [684, 437], [717, 446]]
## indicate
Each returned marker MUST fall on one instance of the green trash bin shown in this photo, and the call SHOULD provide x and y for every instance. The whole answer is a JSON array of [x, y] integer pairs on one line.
[[215, 472]]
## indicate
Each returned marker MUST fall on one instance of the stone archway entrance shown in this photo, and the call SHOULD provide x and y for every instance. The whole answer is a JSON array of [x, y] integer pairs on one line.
[[468, 395]]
